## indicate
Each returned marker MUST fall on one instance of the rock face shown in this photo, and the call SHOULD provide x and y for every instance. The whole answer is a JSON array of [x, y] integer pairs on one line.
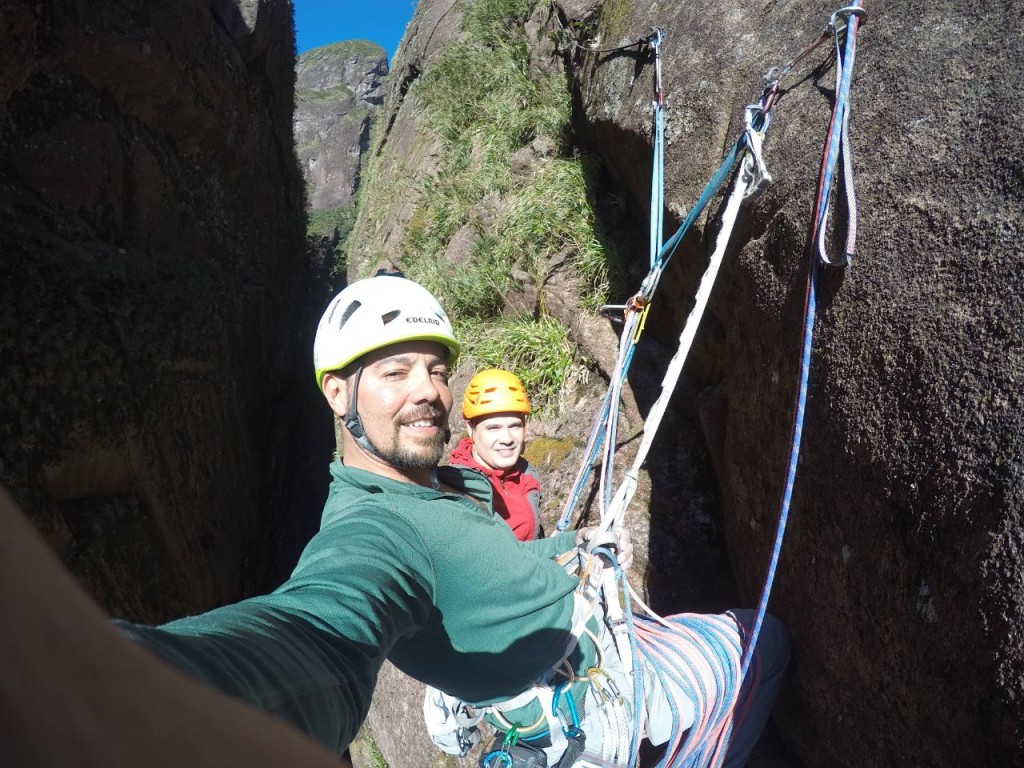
[[901, 577], [153, 294], [403, 145], [902, 572], [338, 89]]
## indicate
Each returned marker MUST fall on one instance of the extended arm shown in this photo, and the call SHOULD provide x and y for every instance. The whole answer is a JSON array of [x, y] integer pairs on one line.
[[73, 692], [310, 652]]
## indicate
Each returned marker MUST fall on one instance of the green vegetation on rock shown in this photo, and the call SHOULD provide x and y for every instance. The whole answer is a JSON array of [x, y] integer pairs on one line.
[[538, 350], [324, 221], [337, 93], [485, 102], [547, 452], [376, 756], [344, 48], [332, 222]]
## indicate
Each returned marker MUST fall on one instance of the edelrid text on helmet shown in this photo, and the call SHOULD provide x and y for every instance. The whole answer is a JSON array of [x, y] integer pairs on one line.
[[494, 391], [374, 313]]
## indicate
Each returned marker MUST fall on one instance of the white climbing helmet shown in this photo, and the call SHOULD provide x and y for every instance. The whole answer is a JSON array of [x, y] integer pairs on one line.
[[373, 313]]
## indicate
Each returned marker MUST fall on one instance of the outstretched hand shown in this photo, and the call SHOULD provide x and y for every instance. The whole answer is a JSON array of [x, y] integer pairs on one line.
[[621, 542]]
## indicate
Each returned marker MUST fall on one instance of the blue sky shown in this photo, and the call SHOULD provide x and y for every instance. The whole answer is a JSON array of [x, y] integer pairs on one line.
[[321, 22]]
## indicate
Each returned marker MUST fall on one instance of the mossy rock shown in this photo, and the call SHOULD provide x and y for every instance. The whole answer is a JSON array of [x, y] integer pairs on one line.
[[548, 453]]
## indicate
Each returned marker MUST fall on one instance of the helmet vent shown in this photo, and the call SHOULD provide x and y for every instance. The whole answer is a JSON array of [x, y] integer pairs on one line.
[[348, 312], [387, 317]]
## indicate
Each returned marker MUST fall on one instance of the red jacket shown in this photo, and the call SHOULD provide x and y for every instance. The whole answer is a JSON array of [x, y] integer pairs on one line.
[[516, 491]]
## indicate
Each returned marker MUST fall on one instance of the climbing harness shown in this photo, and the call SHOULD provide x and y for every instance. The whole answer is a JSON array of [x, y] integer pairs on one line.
[[557, 729], [451, 724], [688, 662]]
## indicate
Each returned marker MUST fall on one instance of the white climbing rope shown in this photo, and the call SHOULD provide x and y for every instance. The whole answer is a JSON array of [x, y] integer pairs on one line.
[[751, 180]]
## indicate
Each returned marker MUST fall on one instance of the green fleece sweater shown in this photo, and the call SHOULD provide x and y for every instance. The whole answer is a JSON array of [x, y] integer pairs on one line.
[[433, 581]]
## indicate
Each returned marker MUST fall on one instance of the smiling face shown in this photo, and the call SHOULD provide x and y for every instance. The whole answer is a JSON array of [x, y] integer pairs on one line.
[[403, 402], [498, 440]]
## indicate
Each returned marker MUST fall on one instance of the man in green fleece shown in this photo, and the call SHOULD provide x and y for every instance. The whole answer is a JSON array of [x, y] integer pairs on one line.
[[410, 562], [404, 564]]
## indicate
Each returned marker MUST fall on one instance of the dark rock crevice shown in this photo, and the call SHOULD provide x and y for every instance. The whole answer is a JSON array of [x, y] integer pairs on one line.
[[151, 225]]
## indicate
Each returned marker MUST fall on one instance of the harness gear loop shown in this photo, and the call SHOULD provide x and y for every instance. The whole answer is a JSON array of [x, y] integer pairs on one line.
[[507, 725]]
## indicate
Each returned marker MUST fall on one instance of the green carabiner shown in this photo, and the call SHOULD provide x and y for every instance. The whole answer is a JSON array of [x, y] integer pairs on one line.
[[511, 737]]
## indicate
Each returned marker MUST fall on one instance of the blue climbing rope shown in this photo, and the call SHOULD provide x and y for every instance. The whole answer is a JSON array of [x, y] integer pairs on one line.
[[840, 116], [843, 25], [657, 218]]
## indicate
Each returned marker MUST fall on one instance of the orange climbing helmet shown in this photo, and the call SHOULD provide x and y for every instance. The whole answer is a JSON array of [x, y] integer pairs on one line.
[[494, 391]]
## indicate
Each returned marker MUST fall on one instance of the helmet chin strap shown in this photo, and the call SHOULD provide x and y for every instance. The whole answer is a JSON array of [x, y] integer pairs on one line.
[[352, 421]]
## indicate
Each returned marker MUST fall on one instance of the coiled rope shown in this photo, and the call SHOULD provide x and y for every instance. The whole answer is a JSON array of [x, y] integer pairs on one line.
[[697, 660]]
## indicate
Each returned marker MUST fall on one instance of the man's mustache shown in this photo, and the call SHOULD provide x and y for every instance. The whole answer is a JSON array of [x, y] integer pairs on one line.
[[425, 412], [434, 414]]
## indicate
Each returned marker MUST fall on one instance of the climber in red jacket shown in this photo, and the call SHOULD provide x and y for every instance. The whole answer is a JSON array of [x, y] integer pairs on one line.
[[495, 407]]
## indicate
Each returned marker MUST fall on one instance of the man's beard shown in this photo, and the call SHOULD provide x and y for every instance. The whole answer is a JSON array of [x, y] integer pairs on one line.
[[426, 455]]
